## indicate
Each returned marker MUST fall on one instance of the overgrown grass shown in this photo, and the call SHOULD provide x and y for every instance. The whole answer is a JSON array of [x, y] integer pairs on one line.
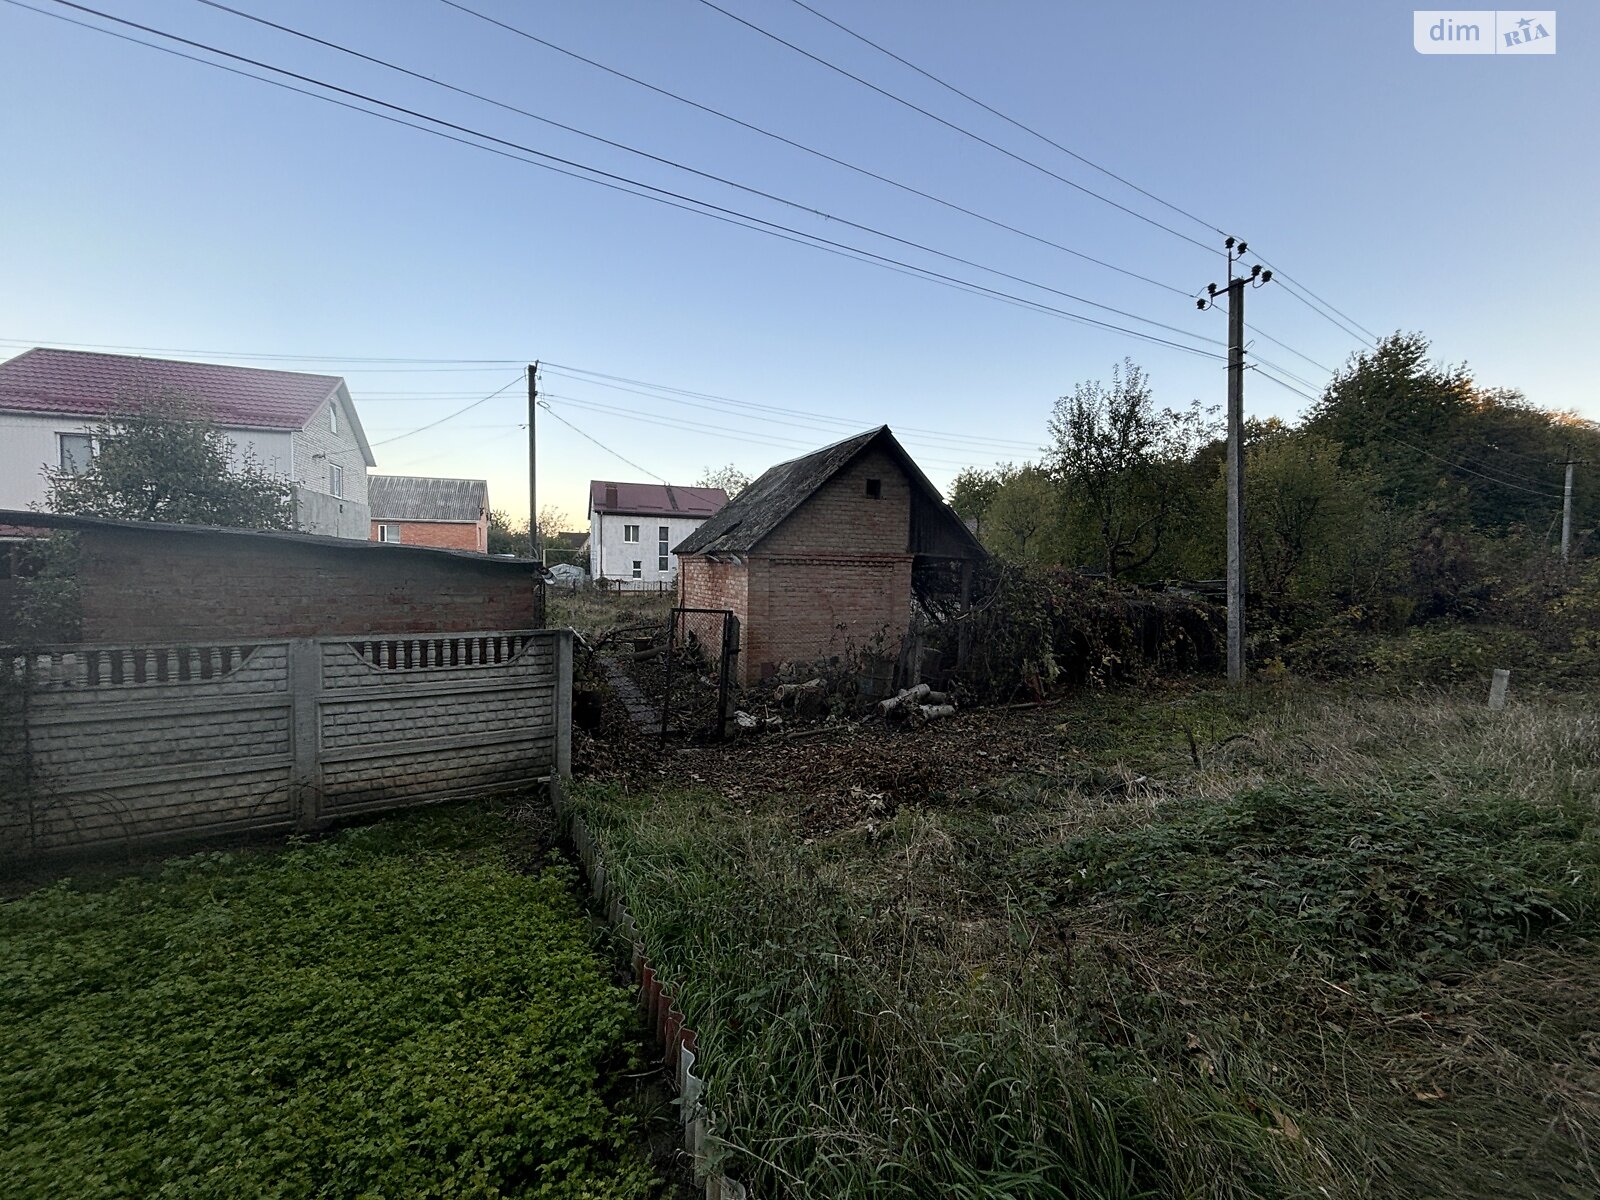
[[593, 611], [394, 1012], [1280, 944]]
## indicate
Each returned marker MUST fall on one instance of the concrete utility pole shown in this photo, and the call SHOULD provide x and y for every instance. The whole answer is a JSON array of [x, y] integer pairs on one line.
[[533, 462], [1235, 451], [1566, 509]]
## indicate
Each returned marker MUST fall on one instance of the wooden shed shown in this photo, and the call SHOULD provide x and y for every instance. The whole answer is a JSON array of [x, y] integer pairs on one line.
[[817, 556]]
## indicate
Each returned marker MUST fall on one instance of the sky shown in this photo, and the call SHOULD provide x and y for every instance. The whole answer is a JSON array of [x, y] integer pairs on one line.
[[150, 201]]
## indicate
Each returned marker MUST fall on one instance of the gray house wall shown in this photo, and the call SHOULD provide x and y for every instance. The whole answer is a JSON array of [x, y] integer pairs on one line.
[[316, 448]]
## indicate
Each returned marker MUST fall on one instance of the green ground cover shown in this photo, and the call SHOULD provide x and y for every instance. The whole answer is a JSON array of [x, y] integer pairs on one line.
[[395, 1011], [1295, 942]]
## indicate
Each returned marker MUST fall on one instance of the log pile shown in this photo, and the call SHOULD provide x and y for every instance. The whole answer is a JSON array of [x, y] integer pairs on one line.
[[917, 705]]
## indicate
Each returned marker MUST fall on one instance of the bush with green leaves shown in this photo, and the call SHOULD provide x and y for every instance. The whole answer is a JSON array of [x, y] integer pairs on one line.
[[392, 1012]]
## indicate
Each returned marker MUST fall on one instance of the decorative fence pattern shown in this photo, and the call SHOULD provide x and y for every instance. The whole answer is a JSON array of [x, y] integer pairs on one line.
[[680, 1044], [131, 743]]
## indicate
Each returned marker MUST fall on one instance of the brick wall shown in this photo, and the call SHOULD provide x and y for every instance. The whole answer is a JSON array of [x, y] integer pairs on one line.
[[142, 585], [833, 577], [443, 535], [139, 743]]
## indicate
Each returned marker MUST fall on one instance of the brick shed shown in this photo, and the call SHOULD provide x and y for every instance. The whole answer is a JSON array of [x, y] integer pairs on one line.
[[818, 554], [153, 582]]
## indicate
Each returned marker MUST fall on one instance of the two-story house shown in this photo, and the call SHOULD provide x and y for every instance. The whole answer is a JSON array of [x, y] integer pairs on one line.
[[301, 427], [634, 526]]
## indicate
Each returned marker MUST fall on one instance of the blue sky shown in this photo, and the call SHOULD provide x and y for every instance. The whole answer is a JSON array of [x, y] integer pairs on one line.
[[151, 201]]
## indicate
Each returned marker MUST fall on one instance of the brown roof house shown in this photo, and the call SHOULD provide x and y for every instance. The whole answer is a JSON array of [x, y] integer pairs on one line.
[[816, 556], [450, 514], [299, 426], [633, 527]]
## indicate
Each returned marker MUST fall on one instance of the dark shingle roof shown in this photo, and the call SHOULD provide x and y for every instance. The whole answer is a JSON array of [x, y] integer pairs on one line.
[[770, 500], [764, 504], [416, 498], [654, 499]]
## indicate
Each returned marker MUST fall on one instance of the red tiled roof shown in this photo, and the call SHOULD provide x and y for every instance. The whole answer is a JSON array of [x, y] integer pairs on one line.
[[80, 383], [654, 499]]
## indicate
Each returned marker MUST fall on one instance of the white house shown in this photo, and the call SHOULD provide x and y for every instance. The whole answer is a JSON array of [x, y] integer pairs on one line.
[[633, 527], [299, 426]]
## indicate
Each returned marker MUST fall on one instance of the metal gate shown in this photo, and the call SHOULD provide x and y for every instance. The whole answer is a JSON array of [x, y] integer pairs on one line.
[[702, 644]]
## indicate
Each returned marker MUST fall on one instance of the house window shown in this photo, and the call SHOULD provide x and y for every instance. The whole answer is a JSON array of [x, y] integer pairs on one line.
[[630, 533], [663, 553], [333, 418], [388, 533], [76, 451], [336, 479], [638, 569], [874, 488]]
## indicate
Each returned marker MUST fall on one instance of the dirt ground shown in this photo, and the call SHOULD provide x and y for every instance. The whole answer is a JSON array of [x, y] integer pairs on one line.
[[838, 774]]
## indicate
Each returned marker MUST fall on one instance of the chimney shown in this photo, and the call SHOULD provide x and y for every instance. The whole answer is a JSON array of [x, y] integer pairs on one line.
[[611, 495]]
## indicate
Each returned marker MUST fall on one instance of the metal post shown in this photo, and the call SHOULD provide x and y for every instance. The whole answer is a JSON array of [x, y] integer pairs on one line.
[[666, 687], [1236, 582]]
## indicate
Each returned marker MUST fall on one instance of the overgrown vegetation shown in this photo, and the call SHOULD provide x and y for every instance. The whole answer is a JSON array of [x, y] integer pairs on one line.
[[395, 1011], [1286, 943], [1409, 497]]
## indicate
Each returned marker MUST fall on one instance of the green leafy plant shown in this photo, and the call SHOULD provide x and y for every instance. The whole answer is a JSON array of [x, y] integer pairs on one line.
[[393, 1011]]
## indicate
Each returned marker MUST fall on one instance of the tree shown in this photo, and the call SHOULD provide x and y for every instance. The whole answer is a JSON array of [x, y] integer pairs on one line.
[[974, 490], [1124, 464], [508, 537], [167, 461], [1024, 516], [729, 478], [504, 536]]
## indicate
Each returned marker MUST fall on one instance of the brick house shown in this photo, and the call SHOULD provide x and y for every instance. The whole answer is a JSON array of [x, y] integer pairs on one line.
[[300, 427], [818, 553], [633, 527], [451, 514]]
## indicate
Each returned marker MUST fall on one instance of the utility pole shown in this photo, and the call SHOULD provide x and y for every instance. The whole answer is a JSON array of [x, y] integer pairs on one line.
[[1235, 451], [1566, 507], [533, 463]]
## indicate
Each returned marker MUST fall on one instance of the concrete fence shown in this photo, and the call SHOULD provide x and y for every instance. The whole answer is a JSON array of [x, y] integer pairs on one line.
[[133, 743]]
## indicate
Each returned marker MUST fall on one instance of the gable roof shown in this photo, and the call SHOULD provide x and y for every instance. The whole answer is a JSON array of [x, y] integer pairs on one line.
[[419, 498], [653, 499], [769, 501], [82, 383]]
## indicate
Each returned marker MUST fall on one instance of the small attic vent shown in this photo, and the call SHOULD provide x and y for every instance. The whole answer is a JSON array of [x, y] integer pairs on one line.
[[874, 488]]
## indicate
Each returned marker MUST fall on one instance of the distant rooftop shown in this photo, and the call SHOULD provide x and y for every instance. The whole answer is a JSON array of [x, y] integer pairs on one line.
[[419, 498], [654, 499]]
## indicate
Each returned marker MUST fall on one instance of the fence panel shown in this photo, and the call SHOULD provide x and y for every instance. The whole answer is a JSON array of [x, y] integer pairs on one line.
[[107, 744]]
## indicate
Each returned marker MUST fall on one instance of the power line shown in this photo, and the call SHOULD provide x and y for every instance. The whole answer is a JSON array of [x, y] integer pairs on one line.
[[663, 161], [1291, 279], [1028, 129], [608, 179], [599, 443], [578, 374], [812, 150], [965, 132], [432, 424]]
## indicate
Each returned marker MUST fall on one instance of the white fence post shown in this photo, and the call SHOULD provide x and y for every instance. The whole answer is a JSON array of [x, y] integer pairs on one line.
[[1497, 689]]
